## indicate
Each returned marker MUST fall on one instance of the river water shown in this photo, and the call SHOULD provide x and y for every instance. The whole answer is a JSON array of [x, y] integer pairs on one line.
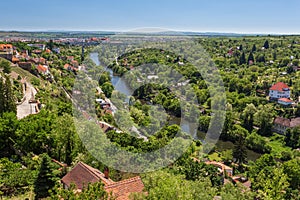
[[121, 86]]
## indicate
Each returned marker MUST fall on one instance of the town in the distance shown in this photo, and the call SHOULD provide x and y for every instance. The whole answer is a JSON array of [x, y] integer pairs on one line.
[[43, 155]]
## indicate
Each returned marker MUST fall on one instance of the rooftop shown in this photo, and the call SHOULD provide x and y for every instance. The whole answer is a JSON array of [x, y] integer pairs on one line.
[[82, 174], [280, 87]]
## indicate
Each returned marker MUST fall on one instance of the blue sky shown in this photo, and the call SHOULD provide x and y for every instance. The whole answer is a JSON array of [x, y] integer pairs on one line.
[[256, 16]]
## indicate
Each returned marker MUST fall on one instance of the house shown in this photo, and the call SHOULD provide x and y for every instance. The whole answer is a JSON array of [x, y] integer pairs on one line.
[[280, 124], [38, 46], [222, 167], [15, 60], [8, 48], [82, 174], [285, 101], [43, 69], [279, 90]]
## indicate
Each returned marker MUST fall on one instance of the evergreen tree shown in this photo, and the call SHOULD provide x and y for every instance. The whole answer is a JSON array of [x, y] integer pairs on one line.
[[240, 150], [254, 48], [266, 45], [241, 47], [45, 181], [1, 96], [10, 100], [51, 45], [251, 57], [243, 59], [7, 97]]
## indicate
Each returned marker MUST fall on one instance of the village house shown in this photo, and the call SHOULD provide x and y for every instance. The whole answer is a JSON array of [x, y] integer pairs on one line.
[[82, 174], [43, 69], [280, 124], [279, 90], [285, 102], [8, 48]]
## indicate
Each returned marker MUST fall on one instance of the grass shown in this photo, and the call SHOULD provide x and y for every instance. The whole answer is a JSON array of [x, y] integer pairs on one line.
[[23, 73], [277, 144]]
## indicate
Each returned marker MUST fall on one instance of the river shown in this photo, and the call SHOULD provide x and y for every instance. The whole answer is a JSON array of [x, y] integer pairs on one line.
[[121, 86]]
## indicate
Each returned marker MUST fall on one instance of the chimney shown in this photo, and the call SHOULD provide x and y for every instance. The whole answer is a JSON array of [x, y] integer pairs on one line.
[[106, 173]]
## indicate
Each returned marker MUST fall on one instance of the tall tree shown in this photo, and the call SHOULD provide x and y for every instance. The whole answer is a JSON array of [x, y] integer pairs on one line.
[[254, 48], [243, 59], [267, 45], [241, 47], [251, 57], [46, 179], [240, 150], [248, 117], [9, 97]]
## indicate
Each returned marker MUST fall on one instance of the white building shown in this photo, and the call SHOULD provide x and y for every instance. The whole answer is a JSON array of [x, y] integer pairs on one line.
[[279, 90], [285, 101]]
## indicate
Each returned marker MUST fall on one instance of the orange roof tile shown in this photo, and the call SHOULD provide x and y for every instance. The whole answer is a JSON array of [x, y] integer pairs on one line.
[[5, 46], [122, 189], [280, 87], [42, 68]]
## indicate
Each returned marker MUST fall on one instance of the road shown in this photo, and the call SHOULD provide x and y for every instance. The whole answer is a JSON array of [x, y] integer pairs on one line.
[[26, 108]]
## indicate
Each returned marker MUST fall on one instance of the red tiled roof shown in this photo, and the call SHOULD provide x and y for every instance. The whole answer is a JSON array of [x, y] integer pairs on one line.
[[295, 122], [66, 66], [82, 174], [285, 100], [122, 189], [279, 87], [5, 46], [42, 68]]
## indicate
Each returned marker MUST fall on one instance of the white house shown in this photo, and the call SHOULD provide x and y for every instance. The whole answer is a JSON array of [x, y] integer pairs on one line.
[[285, 101], [279, 90]]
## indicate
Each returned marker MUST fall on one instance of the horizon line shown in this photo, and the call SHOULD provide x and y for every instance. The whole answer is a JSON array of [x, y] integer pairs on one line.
[[162, 31]]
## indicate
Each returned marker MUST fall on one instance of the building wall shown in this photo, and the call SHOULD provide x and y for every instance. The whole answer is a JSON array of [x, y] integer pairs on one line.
[[277, 95], [285, 103], [279, 129]]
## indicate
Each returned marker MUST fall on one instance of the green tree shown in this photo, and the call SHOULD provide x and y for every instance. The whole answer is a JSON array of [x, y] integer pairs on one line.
[[254, 48], [46, 179], [248, 117], [8, 127], [264, 119], [243, 59], [107, 88], [240, 150], [7, 96], [292, 169], [251, 57], [292, 137], [50, 45], [266, 44], [14, 179], [5, 65], [92, 191]]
